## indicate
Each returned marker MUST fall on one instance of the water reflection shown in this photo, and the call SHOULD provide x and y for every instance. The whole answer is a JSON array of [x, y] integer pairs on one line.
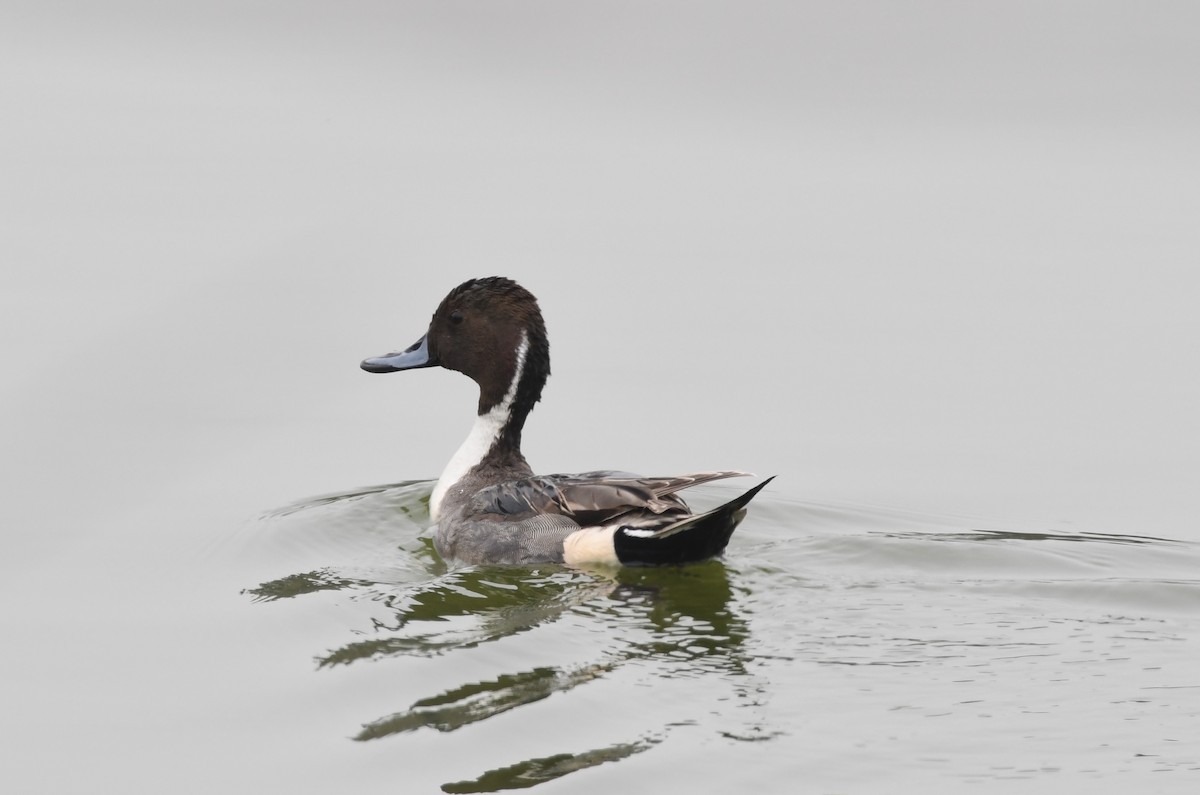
[[463, 609], [845, 612], [478, 701], [300, 584], [538, 771], [675, 622], [688, 612], [869, 621]]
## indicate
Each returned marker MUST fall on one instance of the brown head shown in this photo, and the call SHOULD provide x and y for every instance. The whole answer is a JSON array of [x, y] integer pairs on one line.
[[491, 330]]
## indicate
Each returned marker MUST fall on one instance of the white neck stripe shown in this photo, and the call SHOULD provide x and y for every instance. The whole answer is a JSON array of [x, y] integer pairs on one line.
[[482, 437]]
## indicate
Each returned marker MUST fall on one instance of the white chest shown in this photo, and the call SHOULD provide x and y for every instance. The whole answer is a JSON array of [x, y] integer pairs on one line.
[[480, 440]]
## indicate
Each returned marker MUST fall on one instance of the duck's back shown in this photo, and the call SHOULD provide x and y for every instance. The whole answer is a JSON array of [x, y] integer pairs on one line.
[[601, 517]]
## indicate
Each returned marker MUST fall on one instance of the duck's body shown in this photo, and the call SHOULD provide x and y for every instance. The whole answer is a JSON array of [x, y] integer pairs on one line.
[[489, 506]]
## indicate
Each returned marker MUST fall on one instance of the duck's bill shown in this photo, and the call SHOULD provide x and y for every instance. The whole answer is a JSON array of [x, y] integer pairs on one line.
[[416, 355]]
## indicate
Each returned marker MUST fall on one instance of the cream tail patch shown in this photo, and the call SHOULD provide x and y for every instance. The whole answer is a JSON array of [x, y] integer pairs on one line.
[[591, 546]]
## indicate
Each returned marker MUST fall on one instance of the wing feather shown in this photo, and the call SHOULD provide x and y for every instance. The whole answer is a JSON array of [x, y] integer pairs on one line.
[[592, 498]]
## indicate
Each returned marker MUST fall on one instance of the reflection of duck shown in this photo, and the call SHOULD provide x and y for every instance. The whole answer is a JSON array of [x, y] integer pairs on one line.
[[688, 613], [552, 632], [489, 506], [677, 620]]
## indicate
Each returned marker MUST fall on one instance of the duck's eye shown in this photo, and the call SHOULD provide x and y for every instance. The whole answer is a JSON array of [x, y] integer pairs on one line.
[[456, 317]]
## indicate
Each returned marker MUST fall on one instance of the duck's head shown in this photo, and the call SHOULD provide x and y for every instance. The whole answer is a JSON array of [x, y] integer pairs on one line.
[[490, 329]]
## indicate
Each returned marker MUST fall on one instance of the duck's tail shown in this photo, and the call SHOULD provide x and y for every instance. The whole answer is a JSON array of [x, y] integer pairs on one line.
[[693, 538]]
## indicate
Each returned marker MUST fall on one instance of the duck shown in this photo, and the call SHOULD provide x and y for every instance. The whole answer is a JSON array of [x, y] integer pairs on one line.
[[488, 505]]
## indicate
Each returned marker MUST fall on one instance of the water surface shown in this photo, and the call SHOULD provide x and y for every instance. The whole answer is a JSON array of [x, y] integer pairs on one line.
[[836, 645]]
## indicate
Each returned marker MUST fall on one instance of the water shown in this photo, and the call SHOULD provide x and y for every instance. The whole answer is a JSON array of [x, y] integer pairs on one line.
[[934, 272], [838, 645], [842, 646]]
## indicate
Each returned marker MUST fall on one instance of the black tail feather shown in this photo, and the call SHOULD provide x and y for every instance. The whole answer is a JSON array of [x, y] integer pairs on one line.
[[690, 539]]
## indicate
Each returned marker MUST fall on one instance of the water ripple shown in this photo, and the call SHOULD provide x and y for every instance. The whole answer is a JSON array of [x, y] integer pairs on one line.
[[855, 600]]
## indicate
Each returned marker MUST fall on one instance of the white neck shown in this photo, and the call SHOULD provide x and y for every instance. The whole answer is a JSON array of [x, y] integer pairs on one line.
[[480, 440]]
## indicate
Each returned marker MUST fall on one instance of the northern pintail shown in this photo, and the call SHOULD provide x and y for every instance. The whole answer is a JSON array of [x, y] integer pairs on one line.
[[489, 506]]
